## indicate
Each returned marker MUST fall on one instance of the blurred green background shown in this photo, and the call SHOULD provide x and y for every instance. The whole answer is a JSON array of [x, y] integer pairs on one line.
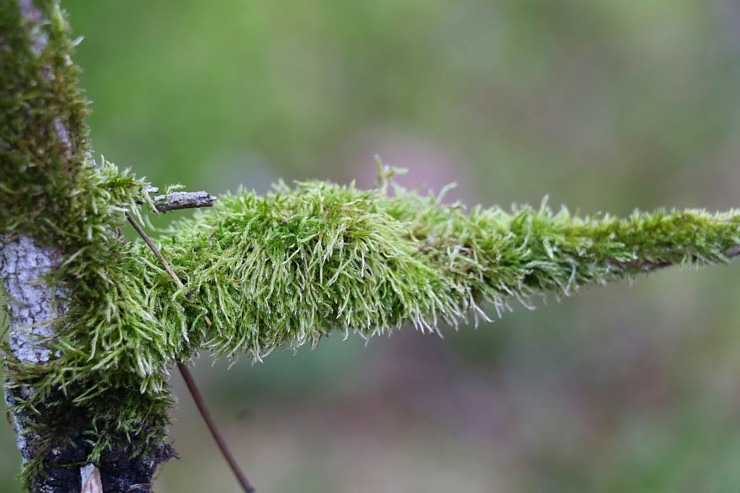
[[605, 106]]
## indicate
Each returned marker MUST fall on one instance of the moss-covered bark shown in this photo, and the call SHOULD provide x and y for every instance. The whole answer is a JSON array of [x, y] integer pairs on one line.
[[58, 218]]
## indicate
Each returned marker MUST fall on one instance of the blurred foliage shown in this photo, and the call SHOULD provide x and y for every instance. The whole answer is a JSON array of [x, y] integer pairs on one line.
[[603, 105]]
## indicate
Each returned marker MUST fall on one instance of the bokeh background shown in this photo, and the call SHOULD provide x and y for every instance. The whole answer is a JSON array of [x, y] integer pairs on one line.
[[603, 106]]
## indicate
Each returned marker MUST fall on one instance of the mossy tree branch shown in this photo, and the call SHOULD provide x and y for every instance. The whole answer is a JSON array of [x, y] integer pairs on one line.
[[290, 267]]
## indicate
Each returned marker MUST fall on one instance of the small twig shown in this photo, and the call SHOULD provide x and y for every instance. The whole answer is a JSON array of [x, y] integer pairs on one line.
[[154, 249], [183, 200], [178, 200], [205, 413], [188, 377]]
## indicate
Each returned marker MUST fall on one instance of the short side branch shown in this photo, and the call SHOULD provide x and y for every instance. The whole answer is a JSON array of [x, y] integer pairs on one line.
[[182, 200]]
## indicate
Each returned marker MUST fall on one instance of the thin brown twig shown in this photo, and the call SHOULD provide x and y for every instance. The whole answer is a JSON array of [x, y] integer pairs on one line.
[[154, 249], [201, 403], [190, 381]]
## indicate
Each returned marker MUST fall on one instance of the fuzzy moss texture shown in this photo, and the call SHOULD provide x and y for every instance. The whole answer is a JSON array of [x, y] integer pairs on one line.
[[262, 273]]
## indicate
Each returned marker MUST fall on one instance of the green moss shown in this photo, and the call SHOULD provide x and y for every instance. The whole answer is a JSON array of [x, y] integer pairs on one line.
[[286, 269], [40, 176], [290, 267]]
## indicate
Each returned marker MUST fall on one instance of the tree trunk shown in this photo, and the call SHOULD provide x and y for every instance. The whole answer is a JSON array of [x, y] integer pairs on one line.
[[43, 157]]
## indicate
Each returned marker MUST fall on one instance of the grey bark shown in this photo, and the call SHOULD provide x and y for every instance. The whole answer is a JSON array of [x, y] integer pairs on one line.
[[182, 200], [31, 310]]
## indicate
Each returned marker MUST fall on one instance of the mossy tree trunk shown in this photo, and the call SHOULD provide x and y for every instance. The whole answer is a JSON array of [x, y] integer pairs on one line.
[[45, 161]]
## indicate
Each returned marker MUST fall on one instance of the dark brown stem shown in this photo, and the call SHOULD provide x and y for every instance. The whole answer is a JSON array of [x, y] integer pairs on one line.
[[154, 249], [206, 414]]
